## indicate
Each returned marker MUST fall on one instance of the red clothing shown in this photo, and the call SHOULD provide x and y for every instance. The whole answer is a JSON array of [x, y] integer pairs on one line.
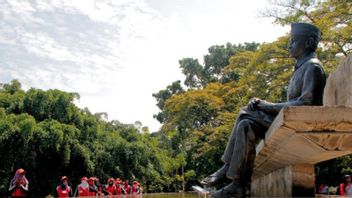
[[18, 192], [342, 189], [111, 189], [128, 189], [136, 189], [63, 192], [19, 184], [83, 192], [100, 189], [93, 190], [19, 188], [118, 190], [92, 193]]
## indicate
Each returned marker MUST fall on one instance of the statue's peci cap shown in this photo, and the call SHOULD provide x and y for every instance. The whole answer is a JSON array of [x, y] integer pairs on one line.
[[305, 29]]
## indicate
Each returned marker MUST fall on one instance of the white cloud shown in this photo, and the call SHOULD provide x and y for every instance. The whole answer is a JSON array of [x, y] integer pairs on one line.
[[117, 53]]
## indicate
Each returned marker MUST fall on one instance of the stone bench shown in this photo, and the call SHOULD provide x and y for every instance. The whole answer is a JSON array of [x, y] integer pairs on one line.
[[303, 136]]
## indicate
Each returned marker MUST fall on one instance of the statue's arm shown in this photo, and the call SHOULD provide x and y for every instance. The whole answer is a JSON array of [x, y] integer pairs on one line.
[[312, 80]]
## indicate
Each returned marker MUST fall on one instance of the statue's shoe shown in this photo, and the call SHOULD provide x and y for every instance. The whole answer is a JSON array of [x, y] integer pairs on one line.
[[229, 191], [216, 178]]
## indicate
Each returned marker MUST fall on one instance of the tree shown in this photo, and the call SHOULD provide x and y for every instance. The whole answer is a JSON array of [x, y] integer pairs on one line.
[[45, 133], [163, 95], [215, 61]]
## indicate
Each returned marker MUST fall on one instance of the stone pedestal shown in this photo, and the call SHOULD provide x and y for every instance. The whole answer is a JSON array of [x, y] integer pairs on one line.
[[303, 136], [299, 138], [338, 89], [295, 180]]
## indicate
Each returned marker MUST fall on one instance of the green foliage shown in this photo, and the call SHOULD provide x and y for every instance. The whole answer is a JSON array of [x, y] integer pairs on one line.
[[47, 135], [198, 75], [163, 95]]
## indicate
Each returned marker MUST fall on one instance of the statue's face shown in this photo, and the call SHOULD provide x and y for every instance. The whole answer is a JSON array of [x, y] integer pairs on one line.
[[297, 46]]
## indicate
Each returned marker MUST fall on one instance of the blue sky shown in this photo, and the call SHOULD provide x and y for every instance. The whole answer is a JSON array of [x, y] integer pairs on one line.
[[116, 53]]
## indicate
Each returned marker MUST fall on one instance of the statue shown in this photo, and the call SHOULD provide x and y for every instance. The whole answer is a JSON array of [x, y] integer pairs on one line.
[[305, 88]]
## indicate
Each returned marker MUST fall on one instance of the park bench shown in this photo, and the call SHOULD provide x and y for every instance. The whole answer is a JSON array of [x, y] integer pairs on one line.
[[302, 136]]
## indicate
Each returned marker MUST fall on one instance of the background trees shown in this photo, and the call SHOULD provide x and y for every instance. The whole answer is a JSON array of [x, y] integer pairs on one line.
[[45, 133], [197, 121]]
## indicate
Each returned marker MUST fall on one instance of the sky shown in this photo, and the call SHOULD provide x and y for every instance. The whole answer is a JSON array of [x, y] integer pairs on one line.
[[117, 53]]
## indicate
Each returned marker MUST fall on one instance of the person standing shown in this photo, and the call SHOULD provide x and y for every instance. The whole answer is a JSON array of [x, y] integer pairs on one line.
[[93, 189], [99, 186], [136, 189], [348, 185], [127, 187], [19, 184], [64, 190], [110, 187], [120, 189], [83, 188]]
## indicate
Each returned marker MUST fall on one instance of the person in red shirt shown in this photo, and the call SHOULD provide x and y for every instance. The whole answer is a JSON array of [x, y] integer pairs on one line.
[[93, 189], [110, 188], [127, 187], [64, 190], [119, 187], [136, 189], [19, 184], [99, 186], [83, 188]]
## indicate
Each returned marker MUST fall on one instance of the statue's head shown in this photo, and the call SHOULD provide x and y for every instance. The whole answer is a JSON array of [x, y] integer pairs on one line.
[[304, 39]]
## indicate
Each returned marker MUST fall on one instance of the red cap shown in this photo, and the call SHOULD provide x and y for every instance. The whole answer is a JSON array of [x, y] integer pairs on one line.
[[91, 179], [21, 171], [111, 179], [64, 178], [84, 178]]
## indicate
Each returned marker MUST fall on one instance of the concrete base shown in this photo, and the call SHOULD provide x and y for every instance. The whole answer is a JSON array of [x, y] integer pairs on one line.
[[290, 181]]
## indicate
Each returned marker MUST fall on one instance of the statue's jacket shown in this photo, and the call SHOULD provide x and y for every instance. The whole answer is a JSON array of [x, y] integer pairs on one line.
[[305, 88]]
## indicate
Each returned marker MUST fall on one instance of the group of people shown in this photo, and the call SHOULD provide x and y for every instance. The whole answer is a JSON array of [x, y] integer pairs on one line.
[[343, 189], [92, 187], [89, 187]]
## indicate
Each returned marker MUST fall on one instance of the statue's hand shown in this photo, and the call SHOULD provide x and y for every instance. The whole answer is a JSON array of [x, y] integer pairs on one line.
[[253, 104], [267, 106]]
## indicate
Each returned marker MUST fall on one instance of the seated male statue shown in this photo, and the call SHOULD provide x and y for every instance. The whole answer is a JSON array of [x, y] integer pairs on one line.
[[305, 88]]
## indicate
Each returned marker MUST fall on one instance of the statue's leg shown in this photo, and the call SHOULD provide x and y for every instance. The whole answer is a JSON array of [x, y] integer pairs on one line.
[[226, 158], [243, 155], [243, 149], [246, 178], [220, 175]]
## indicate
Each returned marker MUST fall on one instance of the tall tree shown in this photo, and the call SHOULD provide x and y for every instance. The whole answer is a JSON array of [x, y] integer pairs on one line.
[[215, 61]]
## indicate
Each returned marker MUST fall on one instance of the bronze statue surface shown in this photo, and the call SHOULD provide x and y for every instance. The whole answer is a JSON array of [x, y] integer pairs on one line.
[[305, 88]]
